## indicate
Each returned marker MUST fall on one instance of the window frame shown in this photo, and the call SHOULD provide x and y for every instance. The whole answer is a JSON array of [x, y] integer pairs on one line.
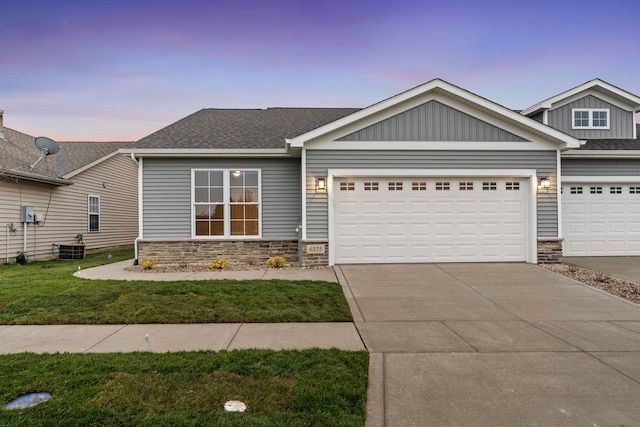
[[90, 213], [226, 197], [590, 112]]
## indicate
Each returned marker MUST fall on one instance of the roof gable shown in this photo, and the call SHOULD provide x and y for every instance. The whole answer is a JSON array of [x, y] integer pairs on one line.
[[438, 88], [432, 121], [596, 86]]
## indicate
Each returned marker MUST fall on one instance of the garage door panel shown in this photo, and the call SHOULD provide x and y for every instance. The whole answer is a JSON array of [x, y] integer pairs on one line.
[[601, 224], [406, 225]]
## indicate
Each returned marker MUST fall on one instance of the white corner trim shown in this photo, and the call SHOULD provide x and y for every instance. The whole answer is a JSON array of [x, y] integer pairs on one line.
[[140, 202], [559, 192], [90, 165], [610, 179]]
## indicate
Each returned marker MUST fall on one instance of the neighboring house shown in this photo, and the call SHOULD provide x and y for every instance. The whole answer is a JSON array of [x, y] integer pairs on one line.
[[86, 189], [600, 206], [433, 174]]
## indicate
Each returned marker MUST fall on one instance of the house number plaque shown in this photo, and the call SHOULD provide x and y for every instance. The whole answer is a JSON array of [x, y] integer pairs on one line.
[[315, 249]]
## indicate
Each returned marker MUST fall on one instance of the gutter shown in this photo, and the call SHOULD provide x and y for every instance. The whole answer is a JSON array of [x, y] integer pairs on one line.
[[199, 152], [37, 178]]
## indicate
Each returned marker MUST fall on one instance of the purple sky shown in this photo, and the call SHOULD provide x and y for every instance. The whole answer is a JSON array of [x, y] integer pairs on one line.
[[121, 69]]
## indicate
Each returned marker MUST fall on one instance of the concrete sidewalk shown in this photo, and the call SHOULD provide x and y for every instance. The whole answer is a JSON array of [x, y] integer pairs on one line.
[[116, 271], [180, 337]]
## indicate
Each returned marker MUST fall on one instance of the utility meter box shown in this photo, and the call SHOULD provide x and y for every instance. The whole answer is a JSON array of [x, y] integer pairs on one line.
[[28, 214]]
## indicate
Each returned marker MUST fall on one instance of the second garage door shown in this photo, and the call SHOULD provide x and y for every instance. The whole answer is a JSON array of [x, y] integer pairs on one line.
[[396, 220], [601, 219]]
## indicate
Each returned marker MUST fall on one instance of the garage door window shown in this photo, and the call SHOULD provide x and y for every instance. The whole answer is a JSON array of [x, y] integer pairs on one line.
[[419, 186], [512, 186], [634, 190], [489, 186], [347, 186], [395, 186], [466, 186], [442, 186], [595, 190], [370, 186], [576, 190], [615, 190]]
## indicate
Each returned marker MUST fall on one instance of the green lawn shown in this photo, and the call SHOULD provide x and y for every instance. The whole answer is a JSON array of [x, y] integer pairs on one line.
[[284, 388], [47, 293]]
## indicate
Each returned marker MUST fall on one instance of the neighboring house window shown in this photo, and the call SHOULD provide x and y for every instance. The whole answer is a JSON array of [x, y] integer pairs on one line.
[[226, 202], [94, 213], [590, 118]]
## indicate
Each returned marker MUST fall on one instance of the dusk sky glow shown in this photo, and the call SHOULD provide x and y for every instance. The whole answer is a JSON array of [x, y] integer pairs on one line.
[[121, 69]]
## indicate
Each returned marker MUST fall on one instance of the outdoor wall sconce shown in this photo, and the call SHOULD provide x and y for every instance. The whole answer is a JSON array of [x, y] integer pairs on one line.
[[321, 184], [544, 184]]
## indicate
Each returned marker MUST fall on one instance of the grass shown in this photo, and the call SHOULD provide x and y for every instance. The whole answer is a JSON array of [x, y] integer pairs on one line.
[[46, 292], [285, 388]]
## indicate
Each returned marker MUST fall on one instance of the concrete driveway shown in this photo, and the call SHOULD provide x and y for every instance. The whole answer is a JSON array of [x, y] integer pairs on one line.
[[494, 345]]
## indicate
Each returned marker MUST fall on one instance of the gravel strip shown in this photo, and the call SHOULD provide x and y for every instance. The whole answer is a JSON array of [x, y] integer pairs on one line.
[[598, 279]]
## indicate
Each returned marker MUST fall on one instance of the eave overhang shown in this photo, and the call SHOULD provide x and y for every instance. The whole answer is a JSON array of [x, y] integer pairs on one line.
[[36, 178], [205, 152]]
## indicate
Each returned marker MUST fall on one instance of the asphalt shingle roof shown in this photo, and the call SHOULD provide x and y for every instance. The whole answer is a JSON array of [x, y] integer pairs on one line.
[[614, 144], [241, 129], [18, 152]]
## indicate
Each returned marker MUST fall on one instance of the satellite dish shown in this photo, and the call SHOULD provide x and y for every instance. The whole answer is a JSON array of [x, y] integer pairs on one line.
[[47, 147]]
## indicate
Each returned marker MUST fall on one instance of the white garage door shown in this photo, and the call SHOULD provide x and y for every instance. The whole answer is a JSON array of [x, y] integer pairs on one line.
[[396, 220], [601, 219]]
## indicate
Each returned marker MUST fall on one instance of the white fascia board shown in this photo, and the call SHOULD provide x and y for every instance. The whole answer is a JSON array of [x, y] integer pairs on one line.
[[601, 179], [601, 154], [198, 152], [432, 145], [455, 95], [36, 178], [548, 103], [90, 165]]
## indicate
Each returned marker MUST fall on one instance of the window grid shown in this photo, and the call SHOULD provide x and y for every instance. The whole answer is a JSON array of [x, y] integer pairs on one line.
[[512, 185], [465, 186], [347, 186], [419, 186], [634, 190], [595, 190], [395, 186], [94, 213], [370, 186], [442, 186], [489, 186], [615, 190], [576, 190], [590, 118]]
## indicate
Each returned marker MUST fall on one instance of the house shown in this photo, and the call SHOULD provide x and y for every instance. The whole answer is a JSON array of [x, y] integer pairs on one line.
[[600, 197], [87, 192], [433, 174]]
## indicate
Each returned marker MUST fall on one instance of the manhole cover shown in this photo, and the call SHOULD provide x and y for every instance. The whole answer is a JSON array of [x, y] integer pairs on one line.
[[235, 406], [28, 400]]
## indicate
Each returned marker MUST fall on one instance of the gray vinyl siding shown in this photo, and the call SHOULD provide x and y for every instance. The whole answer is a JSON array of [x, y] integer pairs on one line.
[[432, 121], [620, 126], [167, 195], [319, 161], [538, 117], [600, 167]]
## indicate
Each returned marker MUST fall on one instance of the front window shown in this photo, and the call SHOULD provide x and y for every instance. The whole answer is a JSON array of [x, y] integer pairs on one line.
[[94, 213], [589, 118], [226, 203]]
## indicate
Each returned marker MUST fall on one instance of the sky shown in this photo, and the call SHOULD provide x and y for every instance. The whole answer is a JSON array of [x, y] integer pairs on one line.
[[118, 70]]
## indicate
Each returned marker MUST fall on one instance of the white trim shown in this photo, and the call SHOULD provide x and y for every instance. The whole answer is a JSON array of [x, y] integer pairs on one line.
[[89, 213], [417, 96], [197, 152], [304, 193], [601, 179], [226, 191], [559, 192], [545, 117], [90, 165], [530, 174], [590, 112], [140, 208], [600, 154]]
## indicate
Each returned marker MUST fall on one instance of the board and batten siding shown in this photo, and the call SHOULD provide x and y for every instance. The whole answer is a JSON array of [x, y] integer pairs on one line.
[[432, 121], [319, 161], [167, 195], [114, 181], [621, 122], [600, 167]]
